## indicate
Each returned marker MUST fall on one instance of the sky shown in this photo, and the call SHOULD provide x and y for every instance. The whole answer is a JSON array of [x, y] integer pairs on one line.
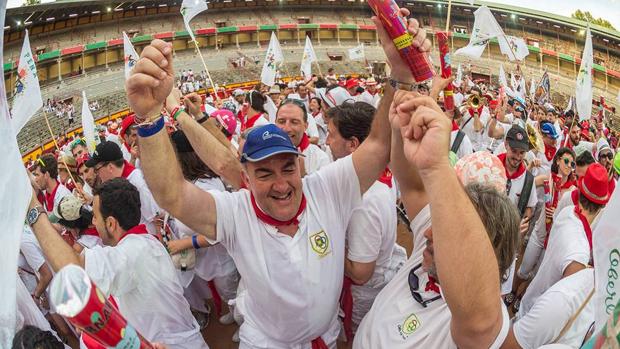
[[608, 9]]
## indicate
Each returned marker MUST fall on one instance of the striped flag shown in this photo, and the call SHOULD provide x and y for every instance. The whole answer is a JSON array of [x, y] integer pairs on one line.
[[189, 10], [15, 194], [130, 55], [27, 99]]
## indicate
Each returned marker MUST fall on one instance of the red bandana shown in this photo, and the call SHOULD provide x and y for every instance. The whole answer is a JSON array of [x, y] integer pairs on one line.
[[431, 285], [520, 170], [316, 113], [138, 230], [386, 177], [127, 169], [267, 219], [558, 187], [586, 225], [319, 343], [550, 152], [455, 126], [304, 144], [249, 123], [49, 198], [471, 111]]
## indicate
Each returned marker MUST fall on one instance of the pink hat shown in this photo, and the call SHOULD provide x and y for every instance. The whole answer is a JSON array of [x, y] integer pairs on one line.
[[482, 167], [226, 118]]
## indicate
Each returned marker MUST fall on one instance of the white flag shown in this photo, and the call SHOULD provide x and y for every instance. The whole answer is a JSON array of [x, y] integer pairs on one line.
[[88, 124], [189, 10], [459, 77], [502, 77], [513, 47], [533, 88], [583, 91], [357, 53], [27, 99], [15, 194], [485, 29], [130, 56], [272, 58], [308, 58], [606, 254]]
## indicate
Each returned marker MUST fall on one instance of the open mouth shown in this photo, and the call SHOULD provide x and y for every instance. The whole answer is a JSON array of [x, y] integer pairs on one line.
[[283, 197]]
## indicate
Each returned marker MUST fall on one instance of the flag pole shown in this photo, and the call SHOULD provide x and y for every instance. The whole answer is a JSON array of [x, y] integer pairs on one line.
[[513, 54], [448, 18], [49, 127], [217, 97]]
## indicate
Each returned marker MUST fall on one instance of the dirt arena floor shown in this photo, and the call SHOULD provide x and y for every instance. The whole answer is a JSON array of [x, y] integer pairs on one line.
[[219, 336]]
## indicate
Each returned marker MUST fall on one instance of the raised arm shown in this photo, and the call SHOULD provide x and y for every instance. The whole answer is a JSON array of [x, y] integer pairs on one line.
[[462, 250], [147, 88], [371, 158]]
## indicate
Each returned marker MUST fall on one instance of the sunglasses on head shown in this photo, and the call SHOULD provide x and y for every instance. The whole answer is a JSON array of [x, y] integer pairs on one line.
[[569, 161], [414, 287], [41, 162]]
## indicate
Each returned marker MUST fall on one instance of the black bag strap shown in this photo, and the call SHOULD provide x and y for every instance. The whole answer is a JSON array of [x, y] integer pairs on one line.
[[526, 192], [457, 142]]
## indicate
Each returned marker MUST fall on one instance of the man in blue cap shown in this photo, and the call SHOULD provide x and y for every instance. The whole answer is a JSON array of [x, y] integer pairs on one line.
[[286, 234]]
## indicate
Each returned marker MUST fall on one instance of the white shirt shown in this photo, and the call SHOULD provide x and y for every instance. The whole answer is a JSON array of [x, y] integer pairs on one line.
[[213, 261], [126, 153], [552, 311], [148, 207], [465, 148], [61, 192], [372, 99], [567, 243], [458, 99], [566, 200], [293, 283], [516, 187], [480, 139], [321, 128], [140, 275], [396, 320], [30, 259], [314, 159]]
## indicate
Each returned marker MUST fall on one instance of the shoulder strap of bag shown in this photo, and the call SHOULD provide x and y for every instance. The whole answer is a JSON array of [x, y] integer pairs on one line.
[[457, 141], [574, 317], [525, 192]]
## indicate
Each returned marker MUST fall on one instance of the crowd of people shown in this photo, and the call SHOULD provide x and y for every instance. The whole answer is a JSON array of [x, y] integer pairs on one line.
[[280, 203]]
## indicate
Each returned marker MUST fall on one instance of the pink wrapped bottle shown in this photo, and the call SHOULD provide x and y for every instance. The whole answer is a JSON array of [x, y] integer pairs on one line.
[[389, 14]]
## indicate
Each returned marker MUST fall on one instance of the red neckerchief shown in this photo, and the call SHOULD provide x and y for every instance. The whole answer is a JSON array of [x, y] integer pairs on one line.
[[138, 230], [127, 169], [520, 170], [550, 152], [315, 114], [574, 196], [471, 111], [304, 144], [90, 232], [431, 285], [319, 343], [455, 126], [346, 304], [558, 187], [249, 123], [586, 225], [49, 198], [386, 177], [267, 219]]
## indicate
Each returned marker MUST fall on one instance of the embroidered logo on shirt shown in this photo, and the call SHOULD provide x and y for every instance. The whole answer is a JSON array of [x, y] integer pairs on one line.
[[320, 243], [409, 326]]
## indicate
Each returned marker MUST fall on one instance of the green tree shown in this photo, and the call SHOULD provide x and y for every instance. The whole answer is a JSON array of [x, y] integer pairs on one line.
[[587, 17]]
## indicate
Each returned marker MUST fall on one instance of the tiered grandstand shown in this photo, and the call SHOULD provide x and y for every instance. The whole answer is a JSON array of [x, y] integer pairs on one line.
[[79, 44]]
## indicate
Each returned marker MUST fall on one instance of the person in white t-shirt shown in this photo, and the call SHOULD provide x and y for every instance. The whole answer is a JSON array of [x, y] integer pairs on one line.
[[464, 146], [134, 266], [474, 124], [45, 172], [447, 295], [373, 257], [570, 241], [108, 163], [292, 118], [286, 234], [371, 94]]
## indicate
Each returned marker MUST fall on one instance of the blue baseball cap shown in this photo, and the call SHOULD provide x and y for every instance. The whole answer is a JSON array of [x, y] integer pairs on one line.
[[547, 128], [265, 141]]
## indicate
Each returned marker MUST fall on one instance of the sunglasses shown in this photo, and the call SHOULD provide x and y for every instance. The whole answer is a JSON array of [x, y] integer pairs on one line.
[[569, 161], [607, 155], [414, 286], [97, 168]]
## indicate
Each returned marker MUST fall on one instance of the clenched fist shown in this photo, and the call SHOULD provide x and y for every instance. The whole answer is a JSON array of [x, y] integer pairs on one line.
[[151, 80]]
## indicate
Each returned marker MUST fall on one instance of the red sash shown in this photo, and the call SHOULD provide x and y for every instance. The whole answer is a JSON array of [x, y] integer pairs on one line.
[[267, 219], [138, 230], [305, 143], [574, 196], [319, 343], [217, 299], [520, 170], [346, 303], [127, 169], [586, 226]]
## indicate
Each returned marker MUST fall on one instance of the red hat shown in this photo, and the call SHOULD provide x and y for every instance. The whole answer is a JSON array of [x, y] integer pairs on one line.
[[351, 83], [594, 185], [127, 122]]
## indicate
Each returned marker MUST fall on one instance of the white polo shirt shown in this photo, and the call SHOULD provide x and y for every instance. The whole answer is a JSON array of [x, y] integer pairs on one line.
[[140, 275], [396, 320], [315, 158], [372, 99], [148, 207], [465, 148], [554, 309], [293, 283], [567, 243]]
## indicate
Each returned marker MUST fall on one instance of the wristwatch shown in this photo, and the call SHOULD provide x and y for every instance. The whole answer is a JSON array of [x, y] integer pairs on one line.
[[34, 213]]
